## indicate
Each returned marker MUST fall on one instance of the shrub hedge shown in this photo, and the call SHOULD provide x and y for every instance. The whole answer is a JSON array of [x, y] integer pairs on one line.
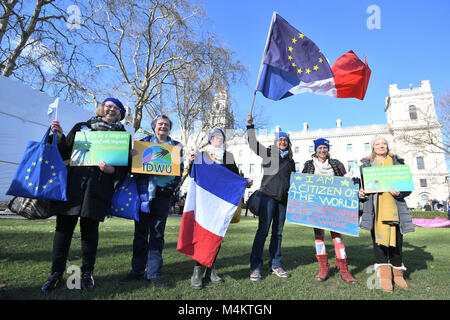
[[429, 214]]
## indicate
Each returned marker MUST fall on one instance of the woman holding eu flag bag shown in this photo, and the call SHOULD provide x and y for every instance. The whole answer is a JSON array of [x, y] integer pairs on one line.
[[89, 193]]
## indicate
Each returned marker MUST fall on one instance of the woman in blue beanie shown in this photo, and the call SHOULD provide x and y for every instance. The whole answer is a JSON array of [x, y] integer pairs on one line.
[[215, 152], [278, 165], [322, 164]]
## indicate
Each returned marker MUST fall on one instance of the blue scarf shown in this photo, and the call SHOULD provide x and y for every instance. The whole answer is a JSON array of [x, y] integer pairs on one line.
[[157, 180], [283, 154]]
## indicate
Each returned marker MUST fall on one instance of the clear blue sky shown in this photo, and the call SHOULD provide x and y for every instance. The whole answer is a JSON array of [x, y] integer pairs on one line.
[[412, 45]]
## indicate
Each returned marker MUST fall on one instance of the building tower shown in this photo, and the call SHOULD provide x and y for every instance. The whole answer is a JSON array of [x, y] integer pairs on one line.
[[221, 115], [413, 123]]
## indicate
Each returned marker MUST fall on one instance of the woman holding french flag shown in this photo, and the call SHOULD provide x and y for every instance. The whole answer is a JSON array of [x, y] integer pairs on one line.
[[278, 165], [215, 153]]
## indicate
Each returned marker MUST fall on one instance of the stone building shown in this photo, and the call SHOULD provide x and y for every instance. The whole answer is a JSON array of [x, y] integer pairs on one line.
[[410, 114]]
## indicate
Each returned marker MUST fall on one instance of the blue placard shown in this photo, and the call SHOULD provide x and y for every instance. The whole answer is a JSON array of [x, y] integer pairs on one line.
[[323, 202]]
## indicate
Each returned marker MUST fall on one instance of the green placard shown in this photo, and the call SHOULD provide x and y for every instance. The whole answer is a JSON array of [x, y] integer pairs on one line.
[[92, 147], [386, 178]]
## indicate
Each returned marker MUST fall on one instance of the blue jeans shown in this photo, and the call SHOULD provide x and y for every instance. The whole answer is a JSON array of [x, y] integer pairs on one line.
[[147, 251], [271, 212]]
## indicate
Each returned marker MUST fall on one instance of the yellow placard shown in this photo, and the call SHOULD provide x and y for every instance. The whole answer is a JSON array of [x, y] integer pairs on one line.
[[154, 158]]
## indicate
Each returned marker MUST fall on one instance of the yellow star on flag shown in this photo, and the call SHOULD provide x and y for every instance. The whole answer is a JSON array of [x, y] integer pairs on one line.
[[320, 60], [299, 70], [301, 35], [316, 68], [294, 40], [290, 57], [345, 183], [290, 48], [308, 71], [293, 64]]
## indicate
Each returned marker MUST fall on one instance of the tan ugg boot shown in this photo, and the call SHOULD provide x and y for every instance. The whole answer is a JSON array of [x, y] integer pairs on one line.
[[385, 274], [398, 278]]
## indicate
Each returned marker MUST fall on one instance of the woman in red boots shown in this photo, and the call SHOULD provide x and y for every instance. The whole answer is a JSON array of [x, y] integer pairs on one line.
[[322, 164]]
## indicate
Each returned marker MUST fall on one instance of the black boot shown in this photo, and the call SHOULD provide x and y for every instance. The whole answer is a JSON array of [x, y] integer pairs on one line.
[[211, 276], [196, 279], [87, 280], [53, 281]]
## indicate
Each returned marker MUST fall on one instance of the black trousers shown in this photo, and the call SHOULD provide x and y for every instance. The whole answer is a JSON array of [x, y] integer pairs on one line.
[[65, 225], [392, 255]]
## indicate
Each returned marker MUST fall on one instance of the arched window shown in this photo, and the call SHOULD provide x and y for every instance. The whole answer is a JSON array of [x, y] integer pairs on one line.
[[412, 113], [424, 198]]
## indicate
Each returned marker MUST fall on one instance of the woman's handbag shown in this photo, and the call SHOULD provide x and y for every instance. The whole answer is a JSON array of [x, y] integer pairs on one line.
[[254, 202], [41, 174], [30, 208], [125, 202]]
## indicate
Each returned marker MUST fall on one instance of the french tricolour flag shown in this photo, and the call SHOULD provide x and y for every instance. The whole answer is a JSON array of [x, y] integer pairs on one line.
[[212, 199]]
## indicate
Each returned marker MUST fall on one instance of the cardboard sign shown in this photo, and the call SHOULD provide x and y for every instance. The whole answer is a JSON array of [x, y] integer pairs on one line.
[[386, 178], [323, 202], [153, 158], [92, 147]]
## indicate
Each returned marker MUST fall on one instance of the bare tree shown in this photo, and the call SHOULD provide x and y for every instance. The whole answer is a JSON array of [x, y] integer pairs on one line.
[[443, 111], [34, 42], [430, 131], [211, 69], [136, 46]]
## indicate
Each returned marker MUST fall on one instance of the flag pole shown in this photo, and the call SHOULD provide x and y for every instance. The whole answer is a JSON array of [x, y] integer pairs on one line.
[[57, 105], [262, 60]]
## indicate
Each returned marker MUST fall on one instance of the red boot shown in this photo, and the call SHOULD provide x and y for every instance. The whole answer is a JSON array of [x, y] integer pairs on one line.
[[323, 267], [343, 269]]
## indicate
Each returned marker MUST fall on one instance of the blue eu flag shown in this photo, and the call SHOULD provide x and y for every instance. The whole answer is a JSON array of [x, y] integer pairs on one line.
[[293, 64]]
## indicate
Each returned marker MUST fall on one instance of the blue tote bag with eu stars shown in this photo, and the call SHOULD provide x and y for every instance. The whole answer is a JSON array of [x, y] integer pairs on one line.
[[41, 174], [125, 202]]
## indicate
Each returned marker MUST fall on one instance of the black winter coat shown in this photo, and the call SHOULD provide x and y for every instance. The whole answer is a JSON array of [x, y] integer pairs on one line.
[[277, 170], [89, 190]]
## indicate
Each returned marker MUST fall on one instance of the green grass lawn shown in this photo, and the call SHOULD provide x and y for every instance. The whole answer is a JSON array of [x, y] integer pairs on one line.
[[26, 246]]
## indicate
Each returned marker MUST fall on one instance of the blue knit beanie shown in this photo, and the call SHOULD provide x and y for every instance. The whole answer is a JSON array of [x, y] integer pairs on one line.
[[320, 142], [213, 131], [280, 134], [119, 104]]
